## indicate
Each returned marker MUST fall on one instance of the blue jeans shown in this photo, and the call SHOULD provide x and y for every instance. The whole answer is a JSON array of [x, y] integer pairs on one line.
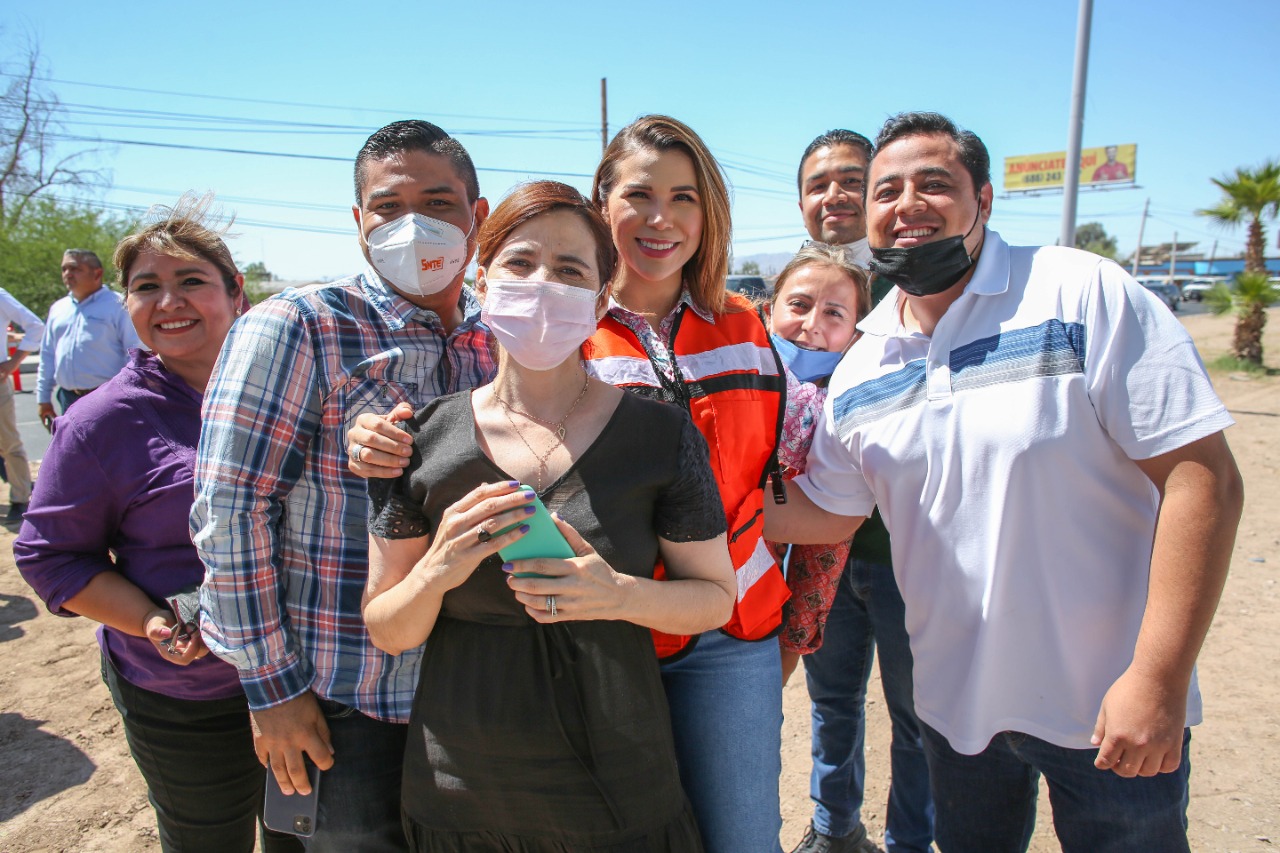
[[359, 807], [67, 398], [987, 802], [203, 777], [726, 715], [866, 616]]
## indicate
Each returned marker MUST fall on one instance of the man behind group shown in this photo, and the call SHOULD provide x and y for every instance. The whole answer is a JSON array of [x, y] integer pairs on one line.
[[1048, 454], [279, 520], [13, 454], [87, 337], [866, 618], [833, 172]]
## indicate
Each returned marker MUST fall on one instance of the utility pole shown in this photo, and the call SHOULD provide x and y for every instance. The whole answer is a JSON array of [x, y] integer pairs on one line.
[[1076, 129], [1142, 225], [1173, 261], [604, 114]]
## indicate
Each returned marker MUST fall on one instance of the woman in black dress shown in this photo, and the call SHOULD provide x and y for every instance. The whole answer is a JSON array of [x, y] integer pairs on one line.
[[540, 722]]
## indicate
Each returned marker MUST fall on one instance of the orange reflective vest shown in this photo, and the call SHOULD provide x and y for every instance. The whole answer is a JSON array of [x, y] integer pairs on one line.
[[731, 383]]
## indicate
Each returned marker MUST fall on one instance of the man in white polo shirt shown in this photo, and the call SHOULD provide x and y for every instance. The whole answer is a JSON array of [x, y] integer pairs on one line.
[[1047, 453]]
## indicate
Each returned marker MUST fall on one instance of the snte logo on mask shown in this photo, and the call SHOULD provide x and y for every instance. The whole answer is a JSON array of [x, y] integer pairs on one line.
[[432, 265]]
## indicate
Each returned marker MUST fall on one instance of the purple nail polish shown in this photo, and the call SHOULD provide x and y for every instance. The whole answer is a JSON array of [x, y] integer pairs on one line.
[[524, 528], [529, 510], [508, 567], [515, 484]]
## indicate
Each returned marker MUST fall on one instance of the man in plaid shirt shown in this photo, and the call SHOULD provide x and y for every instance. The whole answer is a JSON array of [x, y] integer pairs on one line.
[[279, 520]]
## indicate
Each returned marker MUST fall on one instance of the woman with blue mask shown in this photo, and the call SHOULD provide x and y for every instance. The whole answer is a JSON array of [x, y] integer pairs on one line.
[[540, 722], [818, 299]]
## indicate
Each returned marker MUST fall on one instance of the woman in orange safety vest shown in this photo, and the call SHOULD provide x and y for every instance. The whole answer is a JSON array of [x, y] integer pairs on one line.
[[673, 333]]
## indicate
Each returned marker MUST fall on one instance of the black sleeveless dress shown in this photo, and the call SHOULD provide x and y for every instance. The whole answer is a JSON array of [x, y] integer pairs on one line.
[[528, 737]]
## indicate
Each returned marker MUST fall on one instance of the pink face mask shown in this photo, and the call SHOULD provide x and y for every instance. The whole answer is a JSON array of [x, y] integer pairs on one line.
[[539, 323]]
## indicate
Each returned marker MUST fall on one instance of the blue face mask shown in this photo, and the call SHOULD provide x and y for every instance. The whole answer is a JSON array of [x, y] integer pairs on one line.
[[807, 365]]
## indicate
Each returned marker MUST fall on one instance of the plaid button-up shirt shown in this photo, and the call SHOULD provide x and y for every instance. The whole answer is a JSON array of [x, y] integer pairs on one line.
[[278, 519]]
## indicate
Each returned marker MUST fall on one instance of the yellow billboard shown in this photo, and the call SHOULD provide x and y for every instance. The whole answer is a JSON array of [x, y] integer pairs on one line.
[[1110, 164]]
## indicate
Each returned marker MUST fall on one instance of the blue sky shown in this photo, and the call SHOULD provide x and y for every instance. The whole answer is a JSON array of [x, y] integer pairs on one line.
[[519, 84]]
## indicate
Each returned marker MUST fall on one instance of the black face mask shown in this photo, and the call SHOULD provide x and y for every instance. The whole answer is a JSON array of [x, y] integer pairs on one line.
[[927, 269]]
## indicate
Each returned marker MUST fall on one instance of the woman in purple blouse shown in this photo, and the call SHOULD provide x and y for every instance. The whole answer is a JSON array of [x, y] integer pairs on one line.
[[106, 538]]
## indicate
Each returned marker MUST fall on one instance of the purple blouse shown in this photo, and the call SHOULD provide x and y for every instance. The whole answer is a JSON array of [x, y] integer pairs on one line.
[[114, 493]]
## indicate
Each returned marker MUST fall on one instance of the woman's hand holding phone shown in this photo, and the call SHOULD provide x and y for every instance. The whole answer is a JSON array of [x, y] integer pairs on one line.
[[487, 518], [584, 586]]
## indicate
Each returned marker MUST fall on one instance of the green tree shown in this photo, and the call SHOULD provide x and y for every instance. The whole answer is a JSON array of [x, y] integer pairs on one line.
[[31, 247], [1250, 195], [1092, 237], [749, 268], [1252, 293], [256, 273]]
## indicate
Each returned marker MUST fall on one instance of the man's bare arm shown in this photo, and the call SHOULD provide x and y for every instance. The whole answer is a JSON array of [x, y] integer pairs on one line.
[[802, 522], [1141, 721]]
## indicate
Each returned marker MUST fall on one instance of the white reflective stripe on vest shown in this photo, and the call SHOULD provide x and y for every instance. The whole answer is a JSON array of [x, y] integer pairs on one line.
[[742, 357], [760, 562], [622, 370]]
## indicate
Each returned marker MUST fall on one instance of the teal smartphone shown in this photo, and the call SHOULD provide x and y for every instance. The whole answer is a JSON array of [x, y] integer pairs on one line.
[[543, 539]]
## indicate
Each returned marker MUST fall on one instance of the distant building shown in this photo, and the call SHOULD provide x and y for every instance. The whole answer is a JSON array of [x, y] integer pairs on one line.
[[1154, 261]]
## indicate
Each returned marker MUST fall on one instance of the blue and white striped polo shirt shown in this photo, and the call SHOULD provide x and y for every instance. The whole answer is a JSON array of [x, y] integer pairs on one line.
[[1000, 452]]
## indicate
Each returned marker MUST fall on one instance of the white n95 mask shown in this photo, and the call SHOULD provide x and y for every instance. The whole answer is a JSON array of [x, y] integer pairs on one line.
[[539, 323], [418, 254]]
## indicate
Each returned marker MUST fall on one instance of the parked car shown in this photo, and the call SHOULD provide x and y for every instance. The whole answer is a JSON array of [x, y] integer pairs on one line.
[[1168, 293], [750, 286], [1195, 289]]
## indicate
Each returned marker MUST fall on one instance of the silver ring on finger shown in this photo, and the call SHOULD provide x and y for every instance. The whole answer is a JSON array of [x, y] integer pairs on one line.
[[357, 451], [551, 604], [173, 651]]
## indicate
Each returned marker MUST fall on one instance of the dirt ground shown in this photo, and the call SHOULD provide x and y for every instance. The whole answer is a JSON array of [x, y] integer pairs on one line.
[[67, 781]]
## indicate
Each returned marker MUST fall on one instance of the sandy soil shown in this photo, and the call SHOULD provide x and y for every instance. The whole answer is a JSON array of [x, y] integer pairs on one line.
[[67, 782]]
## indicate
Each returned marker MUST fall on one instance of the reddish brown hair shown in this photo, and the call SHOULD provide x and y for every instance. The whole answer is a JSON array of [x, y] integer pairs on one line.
[[534, 199]]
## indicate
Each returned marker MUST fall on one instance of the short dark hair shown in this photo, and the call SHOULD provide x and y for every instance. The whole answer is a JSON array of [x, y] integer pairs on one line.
[[415, 135], [973, 153], [85, 256], [830, 139]]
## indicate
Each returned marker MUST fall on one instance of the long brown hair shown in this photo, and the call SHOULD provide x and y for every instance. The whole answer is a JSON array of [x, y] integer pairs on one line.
[[704, 274]]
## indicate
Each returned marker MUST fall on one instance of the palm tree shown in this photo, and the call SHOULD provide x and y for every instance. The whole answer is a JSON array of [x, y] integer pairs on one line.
[[1248, 195], [1252, 293]]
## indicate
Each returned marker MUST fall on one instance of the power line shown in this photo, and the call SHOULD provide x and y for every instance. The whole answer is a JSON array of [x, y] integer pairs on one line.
[[275, 103], [138, 211], [259, 125], [285, 154]]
